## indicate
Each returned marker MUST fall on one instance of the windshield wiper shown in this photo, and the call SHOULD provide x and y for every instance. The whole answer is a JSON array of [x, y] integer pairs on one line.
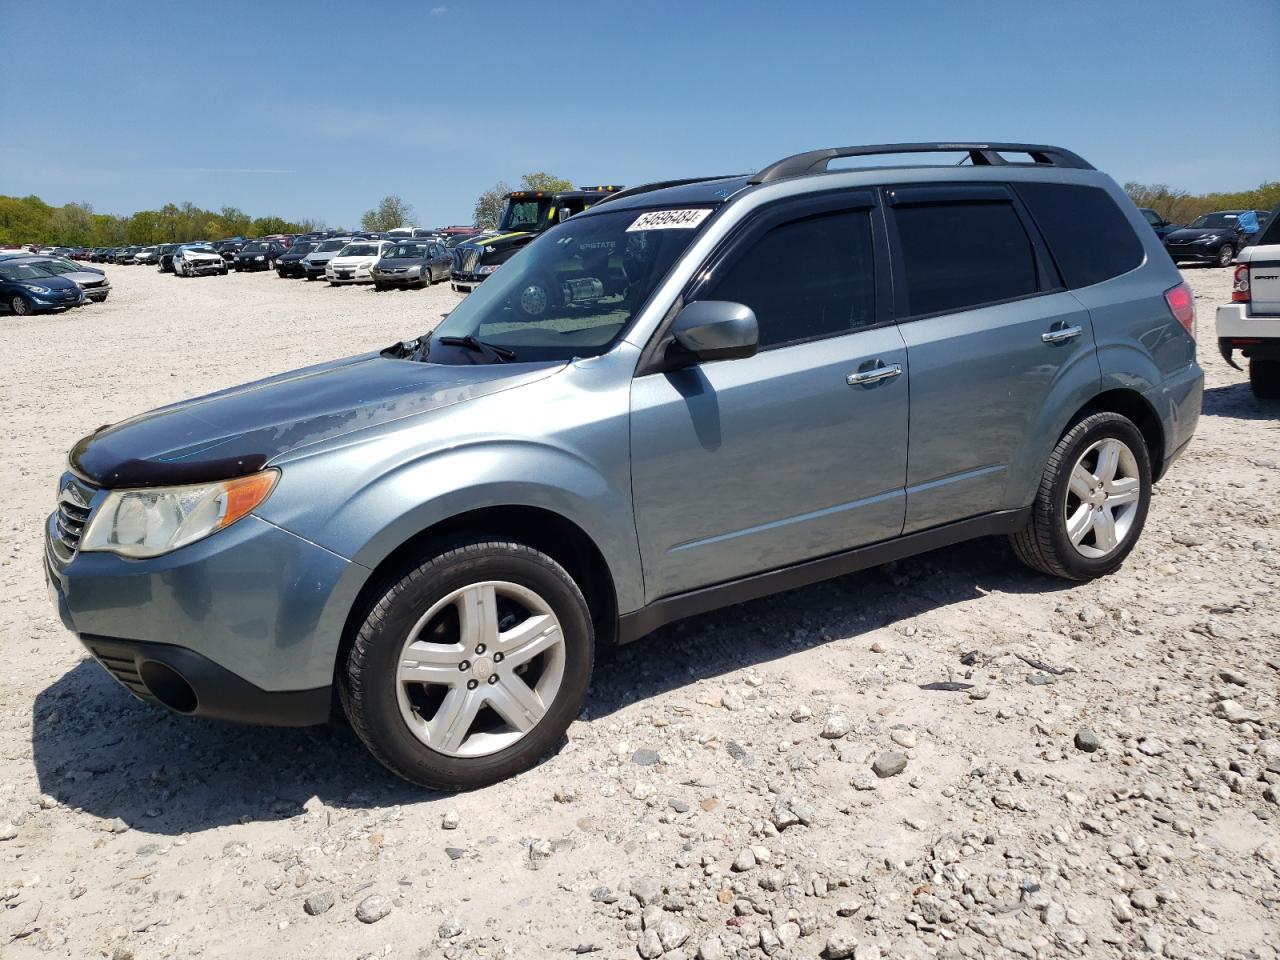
[[478, 346]]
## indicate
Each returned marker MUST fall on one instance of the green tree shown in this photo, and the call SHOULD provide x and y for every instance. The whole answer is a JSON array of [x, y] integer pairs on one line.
[[391, 212], [72, 224], [546, 182], [489, 206], [236, 222]]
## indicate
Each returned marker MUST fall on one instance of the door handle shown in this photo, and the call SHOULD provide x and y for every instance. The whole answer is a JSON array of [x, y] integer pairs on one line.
[[1061, 334], [874, 375]]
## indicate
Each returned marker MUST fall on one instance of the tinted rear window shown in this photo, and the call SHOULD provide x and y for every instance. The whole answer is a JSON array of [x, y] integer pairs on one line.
[[1088, 235], [1270, 232], [961, 255]]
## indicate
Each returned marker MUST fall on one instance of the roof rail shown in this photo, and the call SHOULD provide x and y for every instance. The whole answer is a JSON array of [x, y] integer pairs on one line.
[[980, 155], [661, 185]]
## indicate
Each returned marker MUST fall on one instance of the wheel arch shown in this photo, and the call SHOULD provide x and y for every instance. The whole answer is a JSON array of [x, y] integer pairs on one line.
[[1134, 406], [544, 530]]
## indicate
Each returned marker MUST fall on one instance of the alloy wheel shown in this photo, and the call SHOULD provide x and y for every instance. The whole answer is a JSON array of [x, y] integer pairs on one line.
[[1226, 255], [1102, 498], [480, 669], [19, 306]]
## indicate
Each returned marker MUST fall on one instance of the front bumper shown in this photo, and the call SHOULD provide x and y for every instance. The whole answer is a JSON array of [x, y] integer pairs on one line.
[[252, 265], [1253, 336], [97, 294], [349, 275], [207, 267], [399, 279], [50, 302], [1196, 253], [243, 625], [465, 282]]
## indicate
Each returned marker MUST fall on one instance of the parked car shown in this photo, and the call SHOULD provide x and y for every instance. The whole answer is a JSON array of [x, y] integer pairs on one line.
[[92, 281], [289, 263], [1250, 323], [354, 262], [229, 248], [198, 259], [1159, 224], [257, 255], [125, 256], [147, 256], [690, 395], [412, 263], [315, 262], [27, 287], [1210, 238], [164, 258]]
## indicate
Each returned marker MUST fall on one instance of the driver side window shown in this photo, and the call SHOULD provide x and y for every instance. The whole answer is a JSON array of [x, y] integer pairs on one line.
[[806, 279]]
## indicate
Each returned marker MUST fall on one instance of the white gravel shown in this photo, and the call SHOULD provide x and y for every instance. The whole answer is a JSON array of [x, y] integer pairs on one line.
[[716, 798]]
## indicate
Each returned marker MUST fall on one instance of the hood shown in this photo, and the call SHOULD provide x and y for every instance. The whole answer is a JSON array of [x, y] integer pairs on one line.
[[241, 430], [53, 283], [351, 261], [1195, 233], [200, 255], [317, 257]]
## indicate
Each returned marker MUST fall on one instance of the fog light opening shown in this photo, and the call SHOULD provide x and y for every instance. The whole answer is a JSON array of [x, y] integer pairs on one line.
[[168, 686]]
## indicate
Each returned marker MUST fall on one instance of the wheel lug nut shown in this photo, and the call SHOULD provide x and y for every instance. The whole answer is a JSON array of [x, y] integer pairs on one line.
[[497, 658], [472, 684], [479, 649], [464, 666], [493, 678]]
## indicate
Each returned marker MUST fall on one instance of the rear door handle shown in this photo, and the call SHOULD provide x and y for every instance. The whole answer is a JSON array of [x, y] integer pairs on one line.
[[874, 375], [1061, 334]]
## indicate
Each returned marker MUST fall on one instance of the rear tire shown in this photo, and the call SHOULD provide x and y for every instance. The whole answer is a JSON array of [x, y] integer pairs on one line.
[[1092, 502], [479, 715], [1264, 379], [1226, 254]]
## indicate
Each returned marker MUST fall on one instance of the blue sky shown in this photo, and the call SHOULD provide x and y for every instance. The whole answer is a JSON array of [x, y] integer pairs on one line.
[[318, 108]]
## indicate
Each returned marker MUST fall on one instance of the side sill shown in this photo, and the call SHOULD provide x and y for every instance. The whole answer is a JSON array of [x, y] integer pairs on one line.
[[639, 623]]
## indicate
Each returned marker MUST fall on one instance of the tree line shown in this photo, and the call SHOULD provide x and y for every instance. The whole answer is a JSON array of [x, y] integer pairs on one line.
[[1179, 206], [31, 220]]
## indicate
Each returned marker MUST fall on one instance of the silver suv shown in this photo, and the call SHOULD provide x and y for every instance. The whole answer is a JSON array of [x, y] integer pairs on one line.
[[692, 394]]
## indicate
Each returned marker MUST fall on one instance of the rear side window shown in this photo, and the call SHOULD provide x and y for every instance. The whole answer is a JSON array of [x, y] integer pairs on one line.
[[956, 256], [1088, 235], [1270, 232], [806, 279]]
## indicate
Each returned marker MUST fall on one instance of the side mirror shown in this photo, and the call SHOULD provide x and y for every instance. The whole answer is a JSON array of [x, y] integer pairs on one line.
[[712, 330]]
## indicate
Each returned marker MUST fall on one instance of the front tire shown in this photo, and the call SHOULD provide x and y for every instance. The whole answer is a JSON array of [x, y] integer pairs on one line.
[[1092, 501], [19, 305], [1264, 379], [470, 666]]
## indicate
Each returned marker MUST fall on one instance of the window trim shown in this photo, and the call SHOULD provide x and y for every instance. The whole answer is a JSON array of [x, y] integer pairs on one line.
[[745, 234], [1048, 280]]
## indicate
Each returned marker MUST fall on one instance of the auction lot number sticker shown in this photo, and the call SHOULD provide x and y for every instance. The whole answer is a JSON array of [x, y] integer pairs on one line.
[[669, 220]]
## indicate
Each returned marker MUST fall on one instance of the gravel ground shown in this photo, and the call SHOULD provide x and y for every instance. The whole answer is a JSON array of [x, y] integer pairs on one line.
[[1098, 776]]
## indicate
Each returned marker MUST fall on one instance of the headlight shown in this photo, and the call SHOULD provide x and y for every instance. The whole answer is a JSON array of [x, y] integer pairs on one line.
[[490, 268], [1207, 240], [367, 264], [259, 257], [36, 288], [152, 521]]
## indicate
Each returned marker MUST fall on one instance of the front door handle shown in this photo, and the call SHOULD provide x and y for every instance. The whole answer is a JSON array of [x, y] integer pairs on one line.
[[874, 375], [1061, 334]]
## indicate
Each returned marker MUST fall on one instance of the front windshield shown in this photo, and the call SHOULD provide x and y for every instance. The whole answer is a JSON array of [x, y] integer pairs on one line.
[[59, 266], [302, 248], [331, 245], [403, 251], [524, 214], [200, 248], [359, 250], [254, 248], [24, 271], [572, 291], [1212, 220]]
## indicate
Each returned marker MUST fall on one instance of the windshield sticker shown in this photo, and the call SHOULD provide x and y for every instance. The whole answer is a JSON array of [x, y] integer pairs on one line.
[[669, 220]]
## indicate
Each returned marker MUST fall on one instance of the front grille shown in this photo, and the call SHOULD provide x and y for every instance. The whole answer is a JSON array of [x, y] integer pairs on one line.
[[74, 500], [469, 260]]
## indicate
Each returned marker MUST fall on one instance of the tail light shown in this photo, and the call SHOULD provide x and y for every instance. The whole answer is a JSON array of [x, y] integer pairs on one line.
[[1183, 307], [1240, 288]]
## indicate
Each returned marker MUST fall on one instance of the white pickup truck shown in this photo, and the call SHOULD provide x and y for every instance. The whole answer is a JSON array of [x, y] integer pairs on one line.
[[1250, 323]]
